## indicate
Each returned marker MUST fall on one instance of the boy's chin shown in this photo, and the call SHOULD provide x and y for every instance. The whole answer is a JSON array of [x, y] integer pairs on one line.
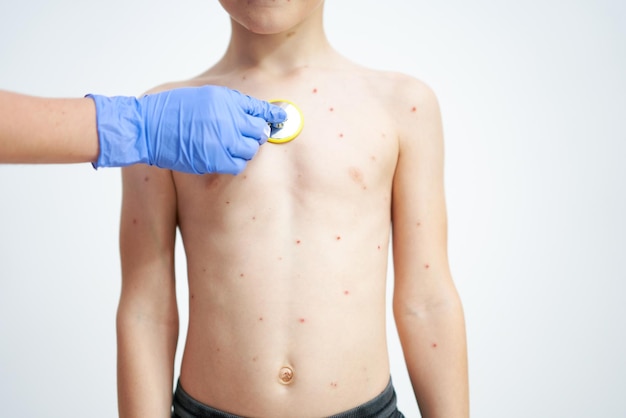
[[268, 27]]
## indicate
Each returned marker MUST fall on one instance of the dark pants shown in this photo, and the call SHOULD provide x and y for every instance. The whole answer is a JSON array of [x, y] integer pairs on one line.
[[382, 406]]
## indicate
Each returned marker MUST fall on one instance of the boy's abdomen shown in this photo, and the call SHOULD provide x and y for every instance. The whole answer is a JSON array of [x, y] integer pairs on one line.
[[287, 304], [264, 351]]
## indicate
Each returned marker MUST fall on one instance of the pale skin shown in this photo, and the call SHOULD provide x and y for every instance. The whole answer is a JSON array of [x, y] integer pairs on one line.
[[287, 261], [44, 130]]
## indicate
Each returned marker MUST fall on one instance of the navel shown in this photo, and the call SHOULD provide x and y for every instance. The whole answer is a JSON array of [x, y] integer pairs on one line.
[[285, 375]]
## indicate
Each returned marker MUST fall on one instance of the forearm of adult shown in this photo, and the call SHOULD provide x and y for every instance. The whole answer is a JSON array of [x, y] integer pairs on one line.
[[146, 345], [43, 130], [434, 343], [207, 129]]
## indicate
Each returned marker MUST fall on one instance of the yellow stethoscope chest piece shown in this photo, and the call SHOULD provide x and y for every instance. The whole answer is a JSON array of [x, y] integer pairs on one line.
[[289, 129]]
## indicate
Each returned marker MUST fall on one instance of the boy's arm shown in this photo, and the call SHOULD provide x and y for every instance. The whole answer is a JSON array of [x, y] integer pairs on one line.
[[147, 316], [427, 308]]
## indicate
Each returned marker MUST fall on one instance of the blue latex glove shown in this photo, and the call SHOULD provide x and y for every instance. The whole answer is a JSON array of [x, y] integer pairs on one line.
[[198, 130]]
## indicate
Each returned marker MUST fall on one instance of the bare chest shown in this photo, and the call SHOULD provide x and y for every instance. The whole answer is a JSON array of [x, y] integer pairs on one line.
[[345, 155]]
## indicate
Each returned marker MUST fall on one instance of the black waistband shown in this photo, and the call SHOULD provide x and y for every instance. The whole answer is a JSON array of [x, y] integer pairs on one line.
[[382, 406]]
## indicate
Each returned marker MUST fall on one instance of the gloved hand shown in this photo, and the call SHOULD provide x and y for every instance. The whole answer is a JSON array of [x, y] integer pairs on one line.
[[198, 130]]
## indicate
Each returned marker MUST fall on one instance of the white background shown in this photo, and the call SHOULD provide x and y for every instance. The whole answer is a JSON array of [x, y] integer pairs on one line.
[[533, 96]]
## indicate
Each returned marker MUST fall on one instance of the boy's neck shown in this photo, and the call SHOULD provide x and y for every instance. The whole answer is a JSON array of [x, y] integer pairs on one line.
[[281, 53]]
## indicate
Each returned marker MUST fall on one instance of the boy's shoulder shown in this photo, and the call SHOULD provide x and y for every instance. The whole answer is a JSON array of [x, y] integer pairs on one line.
[[396, 86], [409, 101], [400, 92]]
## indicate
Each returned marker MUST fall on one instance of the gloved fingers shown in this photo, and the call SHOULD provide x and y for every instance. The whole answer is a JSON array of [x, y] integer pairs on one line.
[[255, 127], [266, 135], [244, 148], [275, 114], [262, 109]]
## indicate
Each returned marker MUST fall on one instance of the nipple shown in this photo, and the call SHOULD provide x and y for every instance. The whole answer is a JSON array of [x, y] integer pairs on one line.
[[285, 375]]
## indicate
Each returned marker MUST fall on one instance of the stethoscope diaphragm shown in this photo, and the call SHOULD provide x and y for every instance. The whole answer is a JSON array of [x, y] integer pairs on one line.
[[289, 129]]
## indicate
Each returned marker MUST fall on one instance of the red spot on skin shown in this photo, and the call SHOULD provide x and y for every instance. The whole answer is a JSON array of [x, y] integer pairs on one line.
[[254, 359], [146, 178], [346, 292], [254, 218], [418, 224], [134, 221], [315, 90], [426, 266], [379, 248], [340, 135], [333, 384], [241, 275], [302, 320], [338, 238], [260, 318], [414, 109], [332, 109], [434, 345], [193, 296], [298, 242]]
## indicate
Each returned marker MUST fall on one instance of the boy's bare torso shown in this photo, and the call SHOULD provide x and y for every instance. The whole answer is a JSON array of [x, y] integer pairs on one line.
[[287, 261]]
